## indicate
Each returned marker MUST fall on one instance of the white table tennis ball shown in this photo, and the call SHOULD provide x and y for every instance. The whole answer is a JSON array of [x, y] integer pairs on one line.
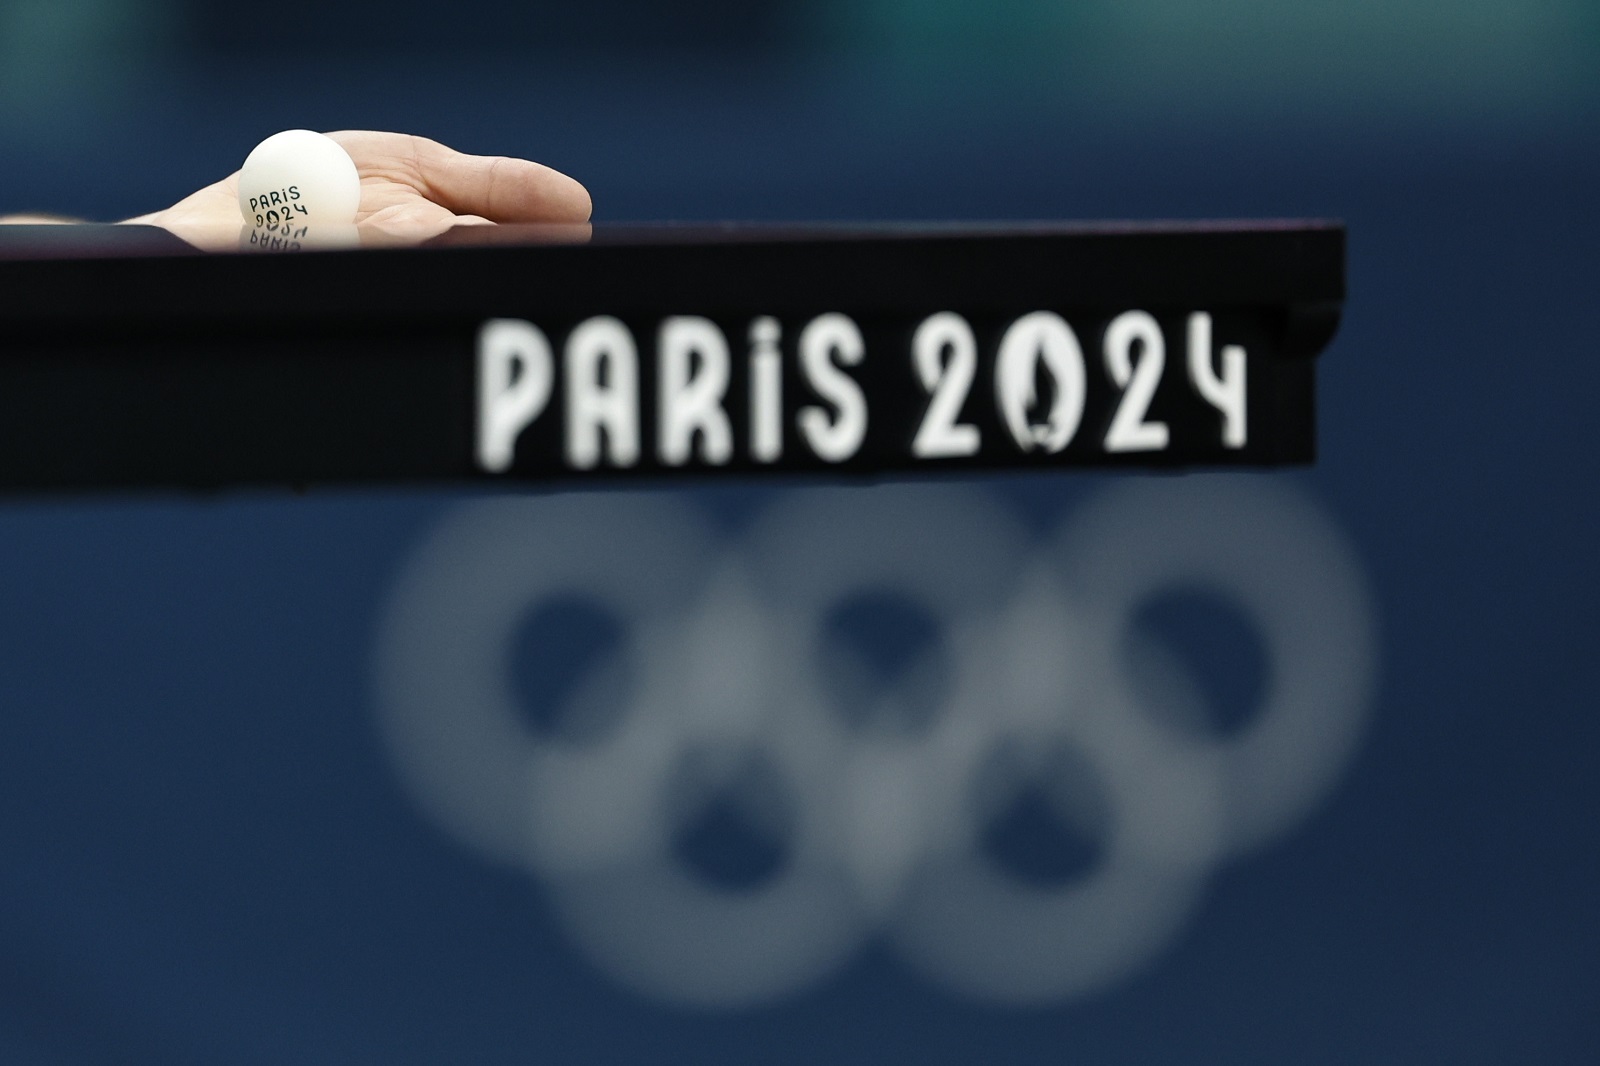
[[298, 176]]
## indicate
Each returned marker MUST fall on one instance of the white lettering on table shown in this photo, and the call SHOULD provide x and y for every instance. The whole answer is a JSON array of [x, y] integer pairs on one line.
[[602, 370], [1224, 391], [947, 381], [766, 391], [1129, 432], [836, 436], [1040, 339], [1041, 388], [515, 372], [690, 397]]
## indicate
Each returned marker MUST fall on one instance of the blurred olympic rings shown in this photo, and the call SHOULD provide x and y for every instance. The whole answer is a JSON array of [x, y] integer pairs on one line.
[[727, 653]]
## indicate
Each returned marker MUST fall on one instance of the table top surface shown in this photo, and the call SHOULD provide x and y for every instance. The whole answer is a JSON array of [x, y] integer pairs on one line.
[[81, 275]]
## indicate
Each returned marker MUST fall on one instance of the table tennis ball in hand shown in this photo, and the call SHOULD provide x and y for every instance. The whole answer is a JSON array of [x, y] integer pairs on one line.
[[299, 176]]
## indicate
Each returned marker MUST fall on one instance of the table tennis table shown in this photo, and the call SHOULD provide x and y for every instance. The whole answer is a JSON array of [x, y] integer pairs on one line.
[[132, 360]]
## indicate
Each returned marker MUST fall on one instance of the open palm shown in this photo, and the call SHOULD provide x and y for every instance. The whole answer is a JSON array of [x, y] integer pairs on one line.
[[411, 189]]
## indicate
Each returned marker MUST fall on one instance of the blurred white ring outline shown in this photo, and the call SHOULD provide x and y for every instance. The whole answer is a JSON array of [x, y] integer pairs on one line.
[[884, 834]]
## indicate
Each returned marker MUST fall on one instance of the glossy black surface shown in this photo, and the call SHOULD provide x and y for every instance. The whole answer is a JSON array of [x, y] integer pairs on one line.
[[128, 360]]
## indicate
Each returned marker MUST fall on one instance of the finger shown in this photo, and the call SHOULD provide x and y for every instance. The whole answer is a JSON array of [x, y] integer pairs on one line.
[[499, 188]]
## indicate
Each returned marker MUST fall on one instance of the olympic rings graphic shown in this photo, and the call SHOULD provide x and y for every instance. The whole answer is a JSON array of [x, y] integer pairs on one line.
[[728, 662]]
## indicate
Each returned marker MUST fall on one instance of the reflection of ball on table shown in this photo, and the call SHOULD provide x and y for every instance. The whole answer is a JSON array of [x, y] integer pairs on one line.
[[296, 177]]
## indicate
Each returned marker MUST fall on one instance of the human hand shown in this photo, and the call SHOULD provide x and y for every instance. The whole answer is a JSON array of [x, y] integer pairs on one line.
[[412, 188]]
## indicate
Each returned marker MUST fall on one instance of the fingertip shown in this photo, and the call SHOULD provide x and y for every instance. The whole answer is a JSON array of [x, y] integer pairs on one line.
[[582, 203], [544, 195]]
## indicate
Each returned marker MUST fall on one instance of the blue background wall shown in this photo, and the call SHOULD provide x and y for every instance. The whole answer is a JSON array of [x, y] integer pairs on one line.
[[205, 854]]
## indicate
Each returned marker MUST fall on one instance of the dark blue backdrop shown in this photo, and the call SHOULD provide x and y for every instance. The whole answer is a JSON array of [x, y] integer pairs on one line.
[[204, 855]]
